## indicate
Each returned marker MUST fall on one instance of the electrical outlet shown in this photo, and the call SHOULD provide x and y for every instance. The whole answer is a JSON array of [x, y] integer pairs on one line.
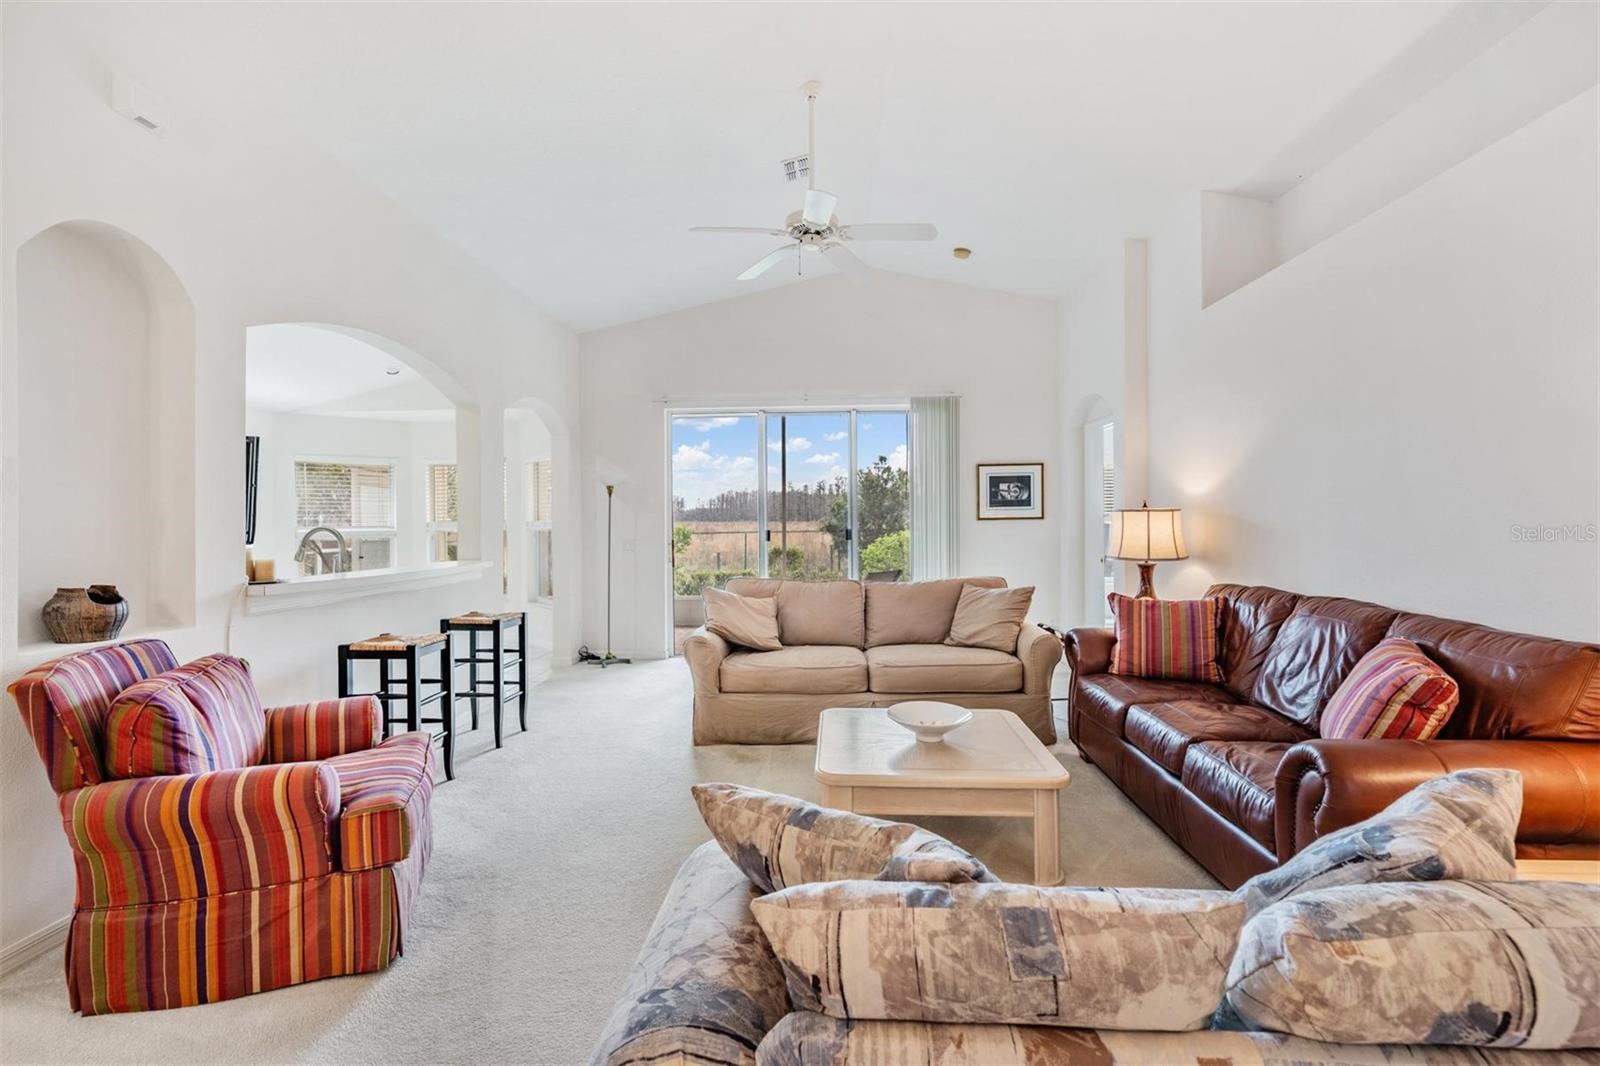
[[630, 545]]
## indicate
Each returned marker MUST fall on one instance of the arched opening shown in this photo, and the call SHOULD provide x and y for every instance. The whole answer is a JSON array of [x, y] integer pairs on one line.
[[106, 426], [539, 567], [355, 455]]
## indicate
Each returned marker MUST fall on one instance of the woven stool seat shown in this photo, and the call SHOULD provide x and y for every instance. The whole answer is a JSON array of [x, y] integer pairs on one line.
[[478, 618], [391, 642]]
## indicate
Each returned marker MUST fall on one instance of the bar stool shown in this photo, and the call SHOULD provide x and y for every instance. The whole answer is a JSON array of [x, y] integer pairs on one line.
[[388, 650], [477, 625]]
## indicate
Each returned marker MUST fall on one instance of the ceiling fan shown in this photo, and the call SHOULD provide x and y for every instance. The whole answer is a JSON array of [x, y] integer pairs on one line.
[[815, 227]]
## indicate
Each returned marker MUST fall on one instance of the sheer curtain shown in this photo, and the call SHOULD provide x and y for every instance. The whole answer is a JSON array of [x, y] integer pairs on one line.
[[935, 487]]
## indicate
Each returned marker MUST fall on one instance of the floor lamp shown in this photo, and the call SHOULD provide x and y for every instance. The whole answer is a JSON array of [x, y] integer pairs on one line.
[[584, 654]]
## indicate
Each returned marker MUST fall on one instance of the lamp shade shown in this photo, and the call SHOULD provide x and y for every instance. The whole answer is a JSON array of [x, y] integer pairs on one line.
[[1147, 535]]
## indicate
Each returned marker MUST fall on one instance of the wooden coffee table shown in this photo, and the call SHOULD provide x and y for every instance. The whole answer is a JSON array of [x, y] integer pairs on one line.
[[993, 766]]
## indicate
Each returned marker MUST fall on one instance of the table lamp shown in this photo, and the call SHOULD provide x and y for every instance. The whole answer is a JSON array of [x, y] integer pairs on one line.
[[1147, 535]]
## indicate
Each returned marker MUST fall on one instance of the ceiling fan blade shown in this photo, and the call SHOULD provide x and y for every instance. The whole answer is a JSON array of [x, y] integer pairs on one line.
[[889, 231], [846, 261], [818, 211], [767, 262], [765, 232]]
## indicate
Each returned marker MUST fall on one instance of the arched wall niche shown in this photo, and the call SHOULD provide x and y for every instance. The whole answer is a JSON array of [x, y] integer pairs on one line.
[[106, 426]]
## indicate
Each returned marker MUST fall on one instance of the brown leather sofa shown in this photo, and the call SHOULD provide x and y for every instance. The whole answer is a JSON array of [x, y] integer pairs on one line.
[[854, 644], [1236, 772]]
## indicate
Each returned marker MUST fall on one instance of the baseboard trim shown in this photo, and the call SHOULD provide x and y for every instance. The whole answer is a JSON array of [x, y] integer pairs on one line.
[[15, 956]]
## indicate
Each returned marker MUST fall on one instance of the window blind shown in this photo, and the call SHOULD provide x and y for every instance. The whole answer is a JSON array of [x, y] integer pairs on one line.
[[1108, 470], [935, 487], [542, 490], [442, 503], [344, 495]]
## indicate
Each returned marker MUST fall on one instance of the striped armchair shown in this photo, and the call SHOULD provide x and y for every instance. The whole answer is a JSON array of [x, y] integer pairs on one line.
[[222, 849]]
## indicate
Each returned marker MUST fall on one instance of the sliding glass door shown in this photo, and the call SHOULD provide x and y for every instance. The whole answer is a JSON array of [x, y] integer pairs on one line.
[[807, 494], [883, 496], [809, 532]]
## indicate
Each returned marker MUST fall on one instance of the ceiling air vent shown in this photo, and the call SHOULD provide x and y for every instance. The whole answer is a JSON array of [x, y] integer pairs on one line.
[[797, 168]]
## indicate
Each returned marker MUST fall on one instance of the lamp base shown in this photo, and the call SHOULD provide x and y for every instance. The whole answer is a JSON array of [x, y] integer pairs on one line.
[[1147, 581], [603, 661]]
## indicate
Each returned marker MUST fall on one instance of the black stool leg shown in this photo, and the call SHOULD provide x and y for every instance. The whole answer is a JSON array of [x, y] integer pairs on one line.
[[383, 687], [413, 688], [499, 680], [522, 671], [346, 687], [446, 665], [472, 672]]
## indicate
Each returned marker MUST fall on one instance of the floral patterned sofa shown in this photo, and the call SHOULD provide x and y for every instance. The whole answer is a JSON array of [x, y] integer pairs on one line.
[[708, 989], [295, 852]]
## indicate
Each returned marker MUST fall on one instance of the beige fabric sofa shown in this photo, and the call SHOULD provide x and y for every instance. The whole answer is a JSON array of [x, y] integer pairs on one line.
[[854, 644]]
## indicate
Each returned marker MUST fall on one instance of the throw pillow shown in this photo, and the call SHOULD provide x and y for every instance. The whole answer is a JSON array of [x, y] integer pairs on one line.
[[1395, 692], [1460, 827], [201, 716], [1166, 638], [748, 621], [1117, 958], [1509, 964], [777, 841], [989, 618]]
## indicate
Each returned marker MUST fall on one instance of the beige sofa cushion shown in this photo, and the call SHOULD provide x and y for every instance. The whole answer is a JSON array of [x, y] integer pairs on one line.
[[939, 668], [747, 621], [916, 613], [990, 618], [821, 612], [812, 668], [812, 612]]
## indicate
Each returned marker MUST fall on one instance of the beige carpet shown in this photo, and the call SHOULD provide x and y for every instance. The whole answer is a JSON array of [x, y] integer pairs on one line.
[[550, 858]]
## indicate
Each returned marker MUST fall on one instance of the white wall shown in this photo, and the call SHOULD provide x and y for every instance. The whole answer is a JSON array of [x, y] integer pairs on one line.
[[258, 230], [822, 341], [1375, 417]]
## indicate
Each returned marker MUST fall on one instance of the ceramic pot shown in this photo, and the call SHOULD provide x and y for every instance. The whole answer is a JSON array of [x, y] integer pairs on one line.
[[79, 616]]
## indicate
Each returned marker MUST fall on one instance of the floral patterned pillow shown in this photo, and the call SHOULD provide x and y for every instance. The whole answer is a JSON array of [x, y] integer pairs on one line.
[[1462, 826], [1492, 964], [778, 841]]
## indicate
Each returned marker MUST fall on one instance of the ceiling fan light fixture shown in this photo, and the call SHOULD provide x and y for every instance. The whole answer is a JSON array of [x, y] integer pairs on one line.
[[815, 225]]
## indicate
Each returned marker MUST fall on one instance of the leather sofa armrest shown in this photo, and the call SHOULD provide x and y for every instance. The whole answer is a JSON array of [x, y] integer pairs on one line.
[[1089, 650], [1040, 651], [705, 652], [1324, 785]]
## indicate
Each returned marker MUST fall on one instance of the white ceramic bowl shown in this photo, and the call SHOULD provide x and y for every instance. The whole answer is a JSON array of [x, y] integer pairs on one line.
[[930, 720]]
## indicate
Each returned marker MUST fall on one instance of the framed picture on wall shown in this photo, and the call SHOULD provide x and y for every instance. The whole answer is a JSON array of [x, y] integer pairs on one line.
[[1010, 490]]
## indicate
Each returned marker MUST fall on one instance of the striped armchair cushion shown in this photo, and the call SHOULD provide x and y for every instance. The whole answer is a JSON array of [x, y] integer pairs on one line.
[[383, 798], [1395, 692], [165, 838], [201, 716], [64, 704], [1166, 638], [306, 732]]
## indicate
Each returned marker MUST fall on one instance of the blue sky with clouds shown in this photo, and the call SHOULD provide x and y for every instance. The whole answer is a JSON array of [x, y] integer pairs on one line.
[[713, 454]]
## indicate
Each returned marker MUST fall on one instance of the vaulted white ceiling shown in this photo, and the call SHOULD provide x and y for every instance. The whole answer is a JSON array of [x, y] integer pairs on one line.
[[570, 146]]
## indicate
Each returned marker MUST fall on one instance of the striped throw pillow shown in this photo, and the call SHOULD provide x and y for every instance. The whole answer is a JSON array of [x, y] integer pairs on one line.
[[197, 717], [1395, 692], [1166, 638]]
